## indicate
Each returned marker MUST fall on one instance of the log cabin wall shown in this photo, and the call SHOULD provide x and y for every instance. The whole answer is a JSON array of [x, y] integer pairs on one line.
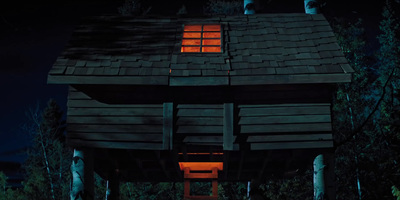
[[128, 126], [261, 118]]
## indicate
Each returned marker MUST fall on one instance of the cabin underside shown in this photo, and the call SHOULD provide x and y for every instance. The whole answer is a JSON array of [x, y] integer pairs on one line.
[[163, 166]]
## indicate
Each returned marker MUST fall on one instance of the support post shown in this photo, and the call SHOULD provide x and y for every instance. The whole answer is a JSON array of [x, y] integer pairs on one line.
[[82, 186], [319, 182]]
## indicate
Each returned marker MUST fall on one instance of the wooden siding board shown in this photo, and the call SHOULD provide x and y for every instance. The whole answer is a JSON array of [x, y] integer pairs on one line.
[[291, 145], [127, 137], [101, 128], [89, 103], [279, 128], [203, 139], [201, 121], [199, 130], [112, 80], [286, 137], [198, 81], [276, 111], [199, 113], [140, 111], [114, 120], [284, 119], [291, 78], [114, 145]]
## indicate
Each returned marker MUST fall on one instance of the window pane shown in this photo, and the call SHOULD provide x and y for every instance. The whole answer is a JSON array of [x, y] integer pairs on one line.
[[212, 28], [190, 42], [212, 35], [192, 28], [191, 35], [211, 42], [190, 49], [211, 49]]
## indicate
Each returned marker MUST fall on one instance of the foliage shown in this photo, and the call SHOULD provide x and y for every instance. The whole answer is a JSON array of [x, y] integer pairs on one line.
[[298, 187], [222, 7], [8, 193], [133, 8], [47, 165]]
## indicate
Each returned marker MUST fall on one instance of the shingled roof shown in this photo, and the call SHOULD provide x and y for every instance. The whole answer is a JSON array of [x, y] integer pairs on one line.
[[257, 50]]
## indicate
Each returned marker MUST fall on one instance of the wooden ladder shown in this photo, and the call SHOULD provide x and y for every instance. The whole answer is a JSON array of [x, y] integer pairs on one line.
[[192, 171]]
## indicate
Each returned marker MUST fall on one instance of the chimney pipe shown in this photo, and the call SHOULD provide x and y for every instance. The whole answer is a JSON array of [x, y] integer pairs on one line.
[[311, 7], [249, 7]]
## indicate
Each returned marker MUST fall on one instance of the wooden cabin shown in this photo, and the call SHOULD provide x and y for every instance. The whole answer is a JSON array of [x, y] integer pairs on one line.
[[250, 92]]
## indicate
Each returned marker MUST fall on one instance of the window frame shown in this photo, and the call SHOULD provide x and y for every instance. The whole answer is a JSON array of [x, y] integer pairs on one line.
[[202, 38]]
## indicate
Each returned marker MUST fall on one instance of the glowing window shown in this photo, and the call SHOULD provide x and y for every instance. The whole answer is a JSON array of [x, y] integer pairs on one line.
[[201, 38]]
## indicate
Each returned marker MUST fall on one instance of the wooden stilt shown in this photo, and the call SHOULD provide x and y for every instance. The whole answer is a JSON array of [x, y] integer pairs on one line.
[[82, 175]]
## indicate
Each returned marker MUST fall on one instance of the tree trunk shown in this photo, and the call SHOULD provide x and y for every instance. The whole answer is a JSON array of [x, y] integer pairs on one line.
[[319, 183], [46, 161], [78, 175], [249, 7], [311, 6]]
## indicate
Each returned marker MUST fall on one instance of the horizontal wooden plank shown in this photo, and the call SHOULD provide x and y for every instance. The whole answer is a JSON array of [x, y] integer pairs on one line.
[[205, 139], [114, 145], [282, 105], [290, 79], [284, 119], [96, 104], [114, 120], [292, 145], [312, 110], [115, 128], [197, 106], [201, 139], [299, 137], [111, 80], [200, 112], [279, 128], [127, 137], [199, 81], [199, 121], [199, 130], [116, 111]]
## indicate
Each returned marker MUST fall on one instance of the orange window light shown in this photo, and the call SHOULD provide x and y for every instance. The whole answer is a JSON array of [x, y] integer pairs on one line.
[[201, 38]]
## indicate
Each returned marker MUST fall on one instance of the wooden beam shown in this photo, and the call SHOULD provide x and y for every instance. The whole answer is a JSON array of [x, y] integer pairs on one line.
[[287, 137], [199, 81], [290, 79], [292, 145], [168, 125], [279, 128], [113, 137], [112, 80], [114, 145], [228, 127]]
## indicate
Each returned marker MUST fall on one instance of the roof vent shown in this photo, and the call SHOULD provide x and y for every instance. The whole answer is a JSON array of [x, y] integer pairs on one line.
[[311, 7]]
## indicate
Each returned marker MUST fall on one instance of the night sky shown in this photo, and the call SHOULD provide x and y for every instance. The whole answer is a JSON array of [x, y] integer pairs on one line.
[[33, 34]]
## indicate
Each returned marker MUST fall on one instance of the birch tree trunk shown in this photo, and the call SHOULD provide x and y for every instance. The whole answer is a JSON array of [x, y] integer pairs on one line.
[[78, 175], [249, 7], [319, 183], [311, 7]]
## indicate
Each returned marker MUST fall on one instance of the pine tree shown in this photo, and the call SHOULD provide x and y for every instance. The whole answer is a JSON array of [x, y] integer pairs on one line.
[[47, 166]]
